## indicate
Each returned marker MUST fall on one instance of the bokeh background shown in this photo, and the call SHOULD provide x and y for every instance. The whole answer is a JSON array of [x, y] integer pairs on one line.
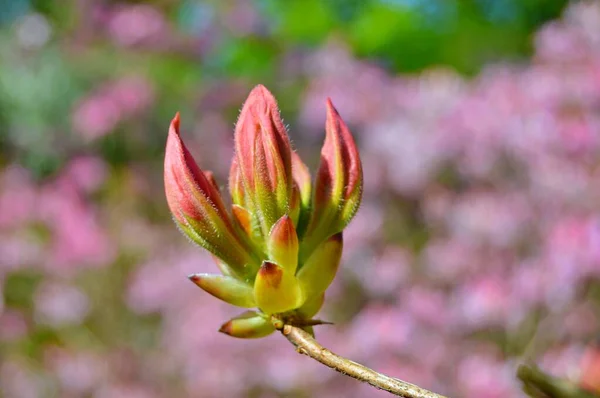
[[477, 246]]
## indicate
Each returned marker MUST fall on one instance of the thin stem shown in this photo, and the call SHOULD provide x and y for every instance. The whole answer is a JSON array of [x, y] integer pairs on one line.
[[307, 345]]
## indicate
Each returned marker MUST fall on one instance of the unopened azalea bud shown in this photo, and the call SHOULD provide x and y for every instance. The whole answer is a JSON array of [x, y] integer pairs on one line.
[[283, 244], [249, 325], [197, 206], [318, 271], [338, 188], [226, 288], [276, 290], [263, 156], [280, 246]]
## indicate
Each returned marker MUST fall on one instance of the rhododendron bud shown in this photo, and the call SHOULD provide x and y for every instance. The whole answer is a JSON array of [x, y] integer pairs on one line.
[[280, 246], [197, 207], [264, 158], [338, 188], [249, 325], [276, 289]]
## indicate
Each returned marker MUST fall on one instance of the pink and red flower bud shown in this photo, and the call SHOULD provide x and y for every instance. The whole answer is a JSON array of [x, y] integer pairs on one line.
[[196, 205], [338, 187], [282, 247], [263, 155]]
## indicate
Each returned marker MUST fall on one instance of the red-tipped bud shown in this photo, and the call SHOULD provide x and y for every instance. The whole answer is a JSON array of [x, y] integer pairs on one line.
[[226, 288], [264, 158], [338, 187], [197, 207], [282, 245], [249, 325], [276, 290]]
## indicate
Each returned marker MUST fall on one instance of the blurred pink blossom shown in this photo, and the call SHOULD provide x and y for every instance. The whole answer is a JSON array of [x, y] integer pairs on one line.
[[58, 304], [136, 24]]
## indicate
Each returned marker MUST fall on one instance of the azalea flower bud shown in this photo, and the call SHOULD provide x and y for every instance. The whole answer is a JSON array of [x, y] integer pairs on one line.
[[249, 325], [338, 188], [197, 206], [263, 156], [280, 246], [276, 290]]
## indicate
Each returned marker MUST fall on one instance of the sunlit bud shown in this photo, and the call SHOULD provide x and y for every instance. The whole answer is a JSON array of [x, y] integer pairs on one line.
[[263, 157], [276, 290], [226, 288], [283, 244], [338, 187], [197, 206], [249, 325], [318, 271]]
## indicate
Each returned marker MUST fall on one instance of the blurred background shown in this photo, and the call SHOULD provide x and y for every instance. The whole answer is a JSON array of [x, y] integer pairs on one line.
[[477, 246]]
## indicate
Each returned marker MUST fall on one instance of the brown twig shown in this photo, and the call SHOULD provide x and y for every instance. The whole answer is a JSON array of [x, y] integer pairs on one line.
[[307, 345]]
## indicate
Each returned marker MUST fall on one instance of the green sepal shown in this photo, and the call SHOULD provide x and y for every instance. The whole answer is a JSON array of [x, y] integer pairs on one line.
[[318, 271]]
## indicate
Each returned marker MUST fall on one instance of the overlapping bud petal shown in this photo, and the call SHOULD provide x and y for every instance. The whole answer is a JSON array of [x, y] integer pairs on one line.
[[264, 158], [197, 206], [280, 246], [338, 188]]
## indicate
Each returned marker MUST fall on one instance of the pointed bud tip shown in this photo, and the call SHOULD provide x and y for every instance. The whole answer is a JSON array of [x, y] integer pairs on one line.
[[175, 122], [195, 277], [337, 237], [271, 273], [226, 328]]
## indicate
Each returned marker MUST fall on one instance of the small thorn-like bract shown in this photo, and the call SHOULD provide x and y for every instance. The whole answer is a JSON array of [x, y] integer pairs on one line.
[[249, 325], [279, 245]]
